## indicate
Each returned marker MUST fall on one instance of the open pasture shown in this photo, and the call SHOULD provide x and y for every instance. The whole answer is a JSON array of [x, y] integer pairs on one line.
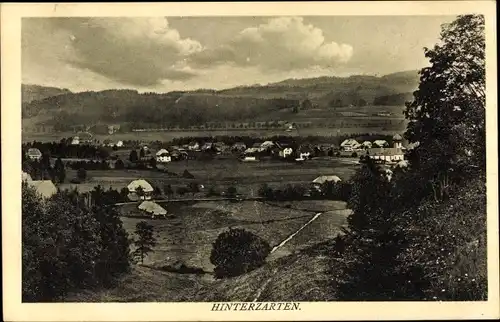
[[189, 234]]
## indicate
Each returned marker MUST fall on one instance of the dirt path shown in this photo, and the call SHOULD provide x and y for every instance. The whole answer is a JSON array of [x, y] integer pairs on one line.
[[295, 233]]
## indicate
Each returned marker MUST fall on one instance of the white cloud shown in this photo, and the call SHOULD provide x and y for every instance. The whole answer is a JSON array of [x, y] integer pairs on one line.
[[284, 43], [136, 51]]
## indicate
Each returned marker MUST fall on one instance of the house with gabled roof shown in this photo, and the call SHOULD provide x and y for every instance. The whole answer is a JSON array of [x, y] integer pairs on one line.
[[34, 154]]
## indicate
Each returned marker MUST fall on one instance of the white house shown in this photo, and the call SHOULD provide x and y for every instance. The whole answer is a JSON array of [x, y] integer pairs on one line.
[[366, 144], [385, 154], [380, 143], [251, 150], [266, 145], [119, 144], [147, 190], [285, 152], [348, 144], [163, 156], [75, 140], [34, 154]]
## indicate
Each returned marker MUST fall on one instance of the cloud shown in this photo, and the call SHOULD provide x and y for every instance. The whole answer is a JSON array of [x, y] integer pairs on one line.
[[281, 44], [135, 51]]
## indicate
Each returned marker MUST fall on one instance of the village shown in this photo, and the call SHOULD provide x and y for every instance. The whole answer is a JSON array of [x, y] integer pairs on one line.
[[147, 177]]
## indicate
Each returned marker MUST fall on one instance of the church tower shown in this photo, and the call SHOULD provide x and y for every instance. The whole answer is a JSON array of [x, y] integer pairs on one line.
[[397, 141]]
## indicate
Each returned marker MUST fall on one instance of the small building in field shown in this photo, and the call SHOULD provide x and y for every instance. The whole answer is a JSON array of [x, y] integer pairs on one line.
[[133, 188], [153, 209], [34, 154], [305, 152], [45, 188], [119, 144]]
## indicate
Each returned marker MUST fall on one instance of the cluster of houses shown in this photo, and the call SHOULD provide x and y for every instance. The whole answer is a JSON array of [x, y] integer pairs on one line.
[[247, 153], [378, 150]]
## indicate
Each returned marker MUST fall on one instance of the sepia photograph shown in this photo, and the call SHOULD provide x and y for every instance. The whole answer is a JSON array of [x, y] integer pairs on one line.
[[254, 162]]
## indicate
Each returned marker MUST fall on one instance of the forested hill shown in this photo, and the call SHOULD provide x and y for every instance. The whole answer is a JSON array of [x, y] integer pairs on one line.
[[37, 92], [200, 106]]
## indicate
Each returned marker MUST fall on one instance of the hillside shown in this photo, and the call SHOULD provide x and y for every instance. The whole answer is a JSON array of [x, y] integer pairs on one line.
[[303, 276], [36, 92], [244, 103]]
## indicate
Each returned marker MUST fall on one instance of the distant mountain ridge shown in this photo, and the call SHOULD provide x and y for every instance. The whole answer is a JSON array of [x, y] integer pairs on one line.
[[65, 108]]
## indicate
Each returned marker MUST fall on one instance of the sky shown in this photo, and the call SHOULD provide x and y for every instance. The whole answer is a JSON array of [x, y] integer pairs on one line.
[[162, 54]]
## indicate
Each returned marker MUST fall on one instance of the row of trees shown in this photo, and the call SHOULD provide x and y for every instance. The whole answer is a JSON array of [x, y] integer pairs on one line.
[[420, 234], [328, 190]]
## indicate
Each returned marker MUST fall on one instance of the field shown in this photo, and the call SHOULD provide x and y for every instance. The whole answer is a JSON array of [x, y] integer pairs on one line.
[[220, 173], [187, 237]]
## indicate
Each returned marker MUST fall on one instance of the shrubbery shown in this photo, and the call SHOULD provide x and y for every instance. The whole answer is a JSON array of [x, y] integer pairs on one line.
[[238, 251]]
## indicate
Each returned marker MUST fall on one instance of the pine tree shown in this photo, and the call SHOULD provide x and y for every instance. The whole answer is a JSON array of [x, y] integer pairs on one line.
[[145, 242]]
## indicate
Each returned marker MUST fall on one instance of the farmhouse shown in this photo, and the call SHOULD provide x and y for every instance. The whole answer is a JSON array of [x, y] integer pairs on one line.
[[163, 156], [34, 154], [152, 208], [380, 144], [119, 144], [207, 146], [366, 145], [133, 187], [348, 144], [266, 145], [319, 181], [193, 146], [45, 188]]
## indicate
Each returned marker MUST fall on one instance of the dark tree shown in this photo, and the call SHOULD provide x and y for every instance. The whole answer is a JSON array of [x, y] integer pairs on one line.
[[145, 242], [133, 157], [238, 251]]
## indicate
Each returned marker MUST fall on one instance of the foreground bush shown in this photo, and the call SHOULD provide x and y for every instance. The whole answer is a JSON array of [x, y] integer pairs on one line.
[[238, 251]]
